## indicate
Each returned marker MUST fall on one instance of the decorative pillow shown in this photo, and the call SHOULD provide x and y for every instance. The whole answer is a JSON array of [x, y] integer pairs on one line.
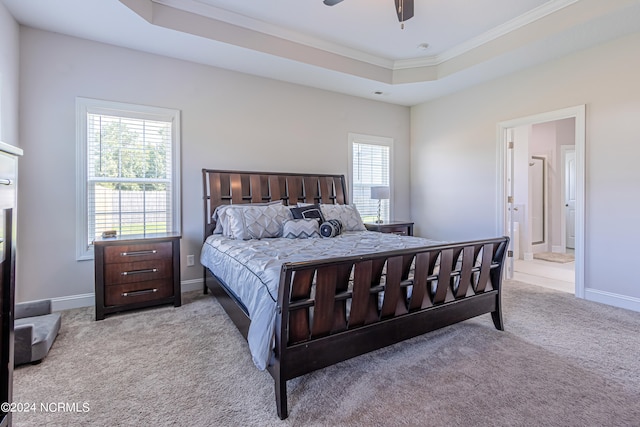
[[311, 211], [301, 228], [220, 215], [331, 228], [348, 215], [255, 222]]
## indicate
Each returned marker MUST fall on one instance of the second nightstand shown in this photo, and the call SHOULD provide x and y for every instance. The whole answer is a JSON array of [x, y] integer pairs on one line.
[[397, 227]]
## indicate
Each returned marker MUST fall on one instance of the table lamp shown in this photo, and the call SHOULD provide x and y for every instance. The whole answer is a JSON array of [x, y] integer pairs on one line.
[[380, 193]]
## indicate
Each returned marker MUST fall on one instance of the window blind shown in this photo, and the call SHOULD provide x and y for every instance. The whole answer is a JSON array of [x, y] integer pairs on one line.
[[371, 167], [129, 172]]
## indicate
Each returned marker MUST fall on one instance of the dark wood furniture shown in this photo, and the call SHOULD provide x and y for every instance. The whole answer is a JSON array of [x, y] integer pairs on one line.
[[450, 283], [136, 271], [402, 228], [8, 202]]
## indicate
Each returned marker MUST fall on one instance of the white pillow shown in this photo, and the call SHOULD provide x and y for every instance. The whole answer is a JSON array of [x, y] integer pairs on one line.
[[301, 228], [221, 219], [244, 222], [348, 215]]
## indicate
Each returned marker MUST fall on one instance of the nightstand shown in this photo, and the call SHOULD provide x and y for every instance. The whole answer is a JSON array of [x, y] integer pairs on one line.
[[133, 272], [397, 227]]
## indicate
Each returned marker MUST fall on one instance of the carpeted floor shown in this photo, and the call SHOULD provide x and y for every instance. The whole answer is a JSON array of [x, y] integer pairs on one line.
[[560, 362]]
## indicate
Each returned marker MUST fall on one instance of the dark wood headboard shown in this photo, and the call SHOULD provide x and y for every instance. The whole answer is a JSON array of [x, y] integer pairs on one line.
[[232, 187]]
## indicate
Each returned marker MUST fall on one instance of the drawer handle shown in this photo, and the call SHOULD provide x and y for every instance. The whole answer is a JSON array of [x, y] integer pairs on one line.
[[148, 270], [138, 253], [5, 181], [142, 292]]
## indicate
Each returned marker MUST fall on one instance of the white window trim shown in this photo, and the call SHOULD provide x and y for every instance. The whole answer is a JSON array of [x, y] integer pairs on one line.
[[87, 105], [373, 140]]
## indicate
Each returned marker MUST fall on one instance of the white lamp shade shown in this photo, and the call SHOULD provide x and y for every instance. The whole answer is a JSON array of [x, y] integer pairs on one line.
[[380, 192]]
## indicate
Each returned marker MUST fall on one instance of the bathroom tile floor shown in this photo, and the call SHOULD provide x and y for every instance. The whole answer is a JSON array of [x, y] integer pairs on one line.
[[558, 276]]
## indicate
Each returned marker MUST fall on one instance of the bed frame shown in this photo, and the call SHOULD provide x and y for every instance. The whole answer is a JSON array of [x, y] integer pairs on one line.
[[335, 322]]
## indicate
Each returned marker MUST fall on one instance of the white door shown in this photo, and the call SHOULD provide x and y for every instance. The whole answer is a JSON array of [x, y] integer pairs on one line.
[[537, 189], [511, 209], [570, 198]]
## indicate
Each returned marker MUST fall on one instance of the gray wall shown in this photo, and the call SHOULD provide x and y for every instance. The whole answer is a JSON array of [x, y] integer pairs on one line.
[[229, 120], [454, 156], [9, 55]]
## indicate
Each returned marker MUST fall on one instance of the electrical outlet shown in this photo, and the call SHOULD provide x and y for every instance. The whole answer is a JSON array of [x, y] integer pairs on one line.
[[190, 260]]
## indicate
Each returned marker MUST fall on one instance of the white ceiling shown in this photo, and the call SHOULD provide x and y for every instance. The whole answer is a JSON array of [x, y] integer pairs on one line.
[[356, 47]]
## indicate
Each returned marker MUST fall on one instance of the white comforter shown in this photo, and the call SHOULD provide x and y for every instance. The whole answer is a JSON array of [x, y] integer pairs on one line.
[[251, 268]]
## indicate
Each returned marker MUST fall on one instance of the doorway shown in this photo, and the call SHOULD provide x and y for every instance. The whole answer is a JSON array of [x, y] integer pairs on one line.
[[541, 197]]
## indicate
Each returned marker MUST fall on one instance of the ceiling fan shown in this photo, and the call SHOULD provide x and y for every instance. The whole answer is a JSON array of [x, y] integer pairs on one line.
[[404, 8]]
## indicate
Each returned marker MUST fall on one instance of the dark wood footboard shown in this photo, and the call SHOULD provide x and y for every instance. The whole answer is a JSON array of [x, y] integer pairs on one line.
[[336, 309]]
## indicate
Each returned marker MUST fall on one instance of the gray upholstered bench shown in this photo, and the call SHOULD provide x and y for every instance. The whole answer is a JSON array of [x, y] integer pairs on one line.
[[35, 330]]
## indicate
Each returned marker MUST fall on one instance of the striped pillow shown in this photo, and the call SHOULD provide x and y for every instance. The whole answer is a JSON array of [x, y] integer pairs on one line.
[[301, 228]]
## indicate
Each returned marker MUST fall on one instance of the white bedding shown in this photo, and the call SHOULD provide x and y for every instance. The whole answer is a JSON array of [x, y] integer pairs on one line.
[[251, 268]]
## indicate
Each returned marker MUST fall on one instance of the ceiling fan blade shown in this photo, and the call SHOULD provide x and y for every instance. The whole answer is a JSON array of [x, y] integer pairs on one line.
[[404, 9], [331, 2]]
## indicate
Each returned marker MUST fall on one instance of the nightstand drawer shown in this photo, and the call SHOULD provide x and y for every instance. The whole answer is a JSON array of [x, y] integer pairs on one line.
[[131, 293], [129, 272], [138, 252]]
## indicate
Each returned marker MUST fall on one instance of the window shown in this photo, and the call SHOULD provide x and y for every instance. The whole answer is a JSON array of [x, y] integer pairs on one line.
[[370, 166], [128, 165]]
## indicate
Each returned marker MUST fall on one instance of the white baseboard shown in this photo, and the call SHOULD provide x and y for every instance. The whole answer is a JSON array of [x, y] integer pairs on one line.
[[88, 300], [527, 256], [191, 285], [616, 300], [558, 249], [73, 301]]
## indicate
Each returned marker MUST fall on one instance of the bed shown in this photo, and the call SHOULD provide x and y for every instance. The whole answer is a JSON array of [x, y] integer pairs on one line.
[[307, 303]]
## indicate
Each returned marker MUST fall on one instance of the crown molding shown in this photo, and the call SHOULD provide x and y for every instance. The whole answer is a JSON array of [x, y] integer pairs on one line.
[[199, 7], [506, 28], [497, 32]]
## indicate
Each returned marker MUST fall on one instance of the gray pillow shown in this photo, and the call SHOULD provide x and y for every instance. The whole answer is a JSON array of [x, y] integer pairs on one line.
[[221, 218], [255, 222], [348, 215]]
